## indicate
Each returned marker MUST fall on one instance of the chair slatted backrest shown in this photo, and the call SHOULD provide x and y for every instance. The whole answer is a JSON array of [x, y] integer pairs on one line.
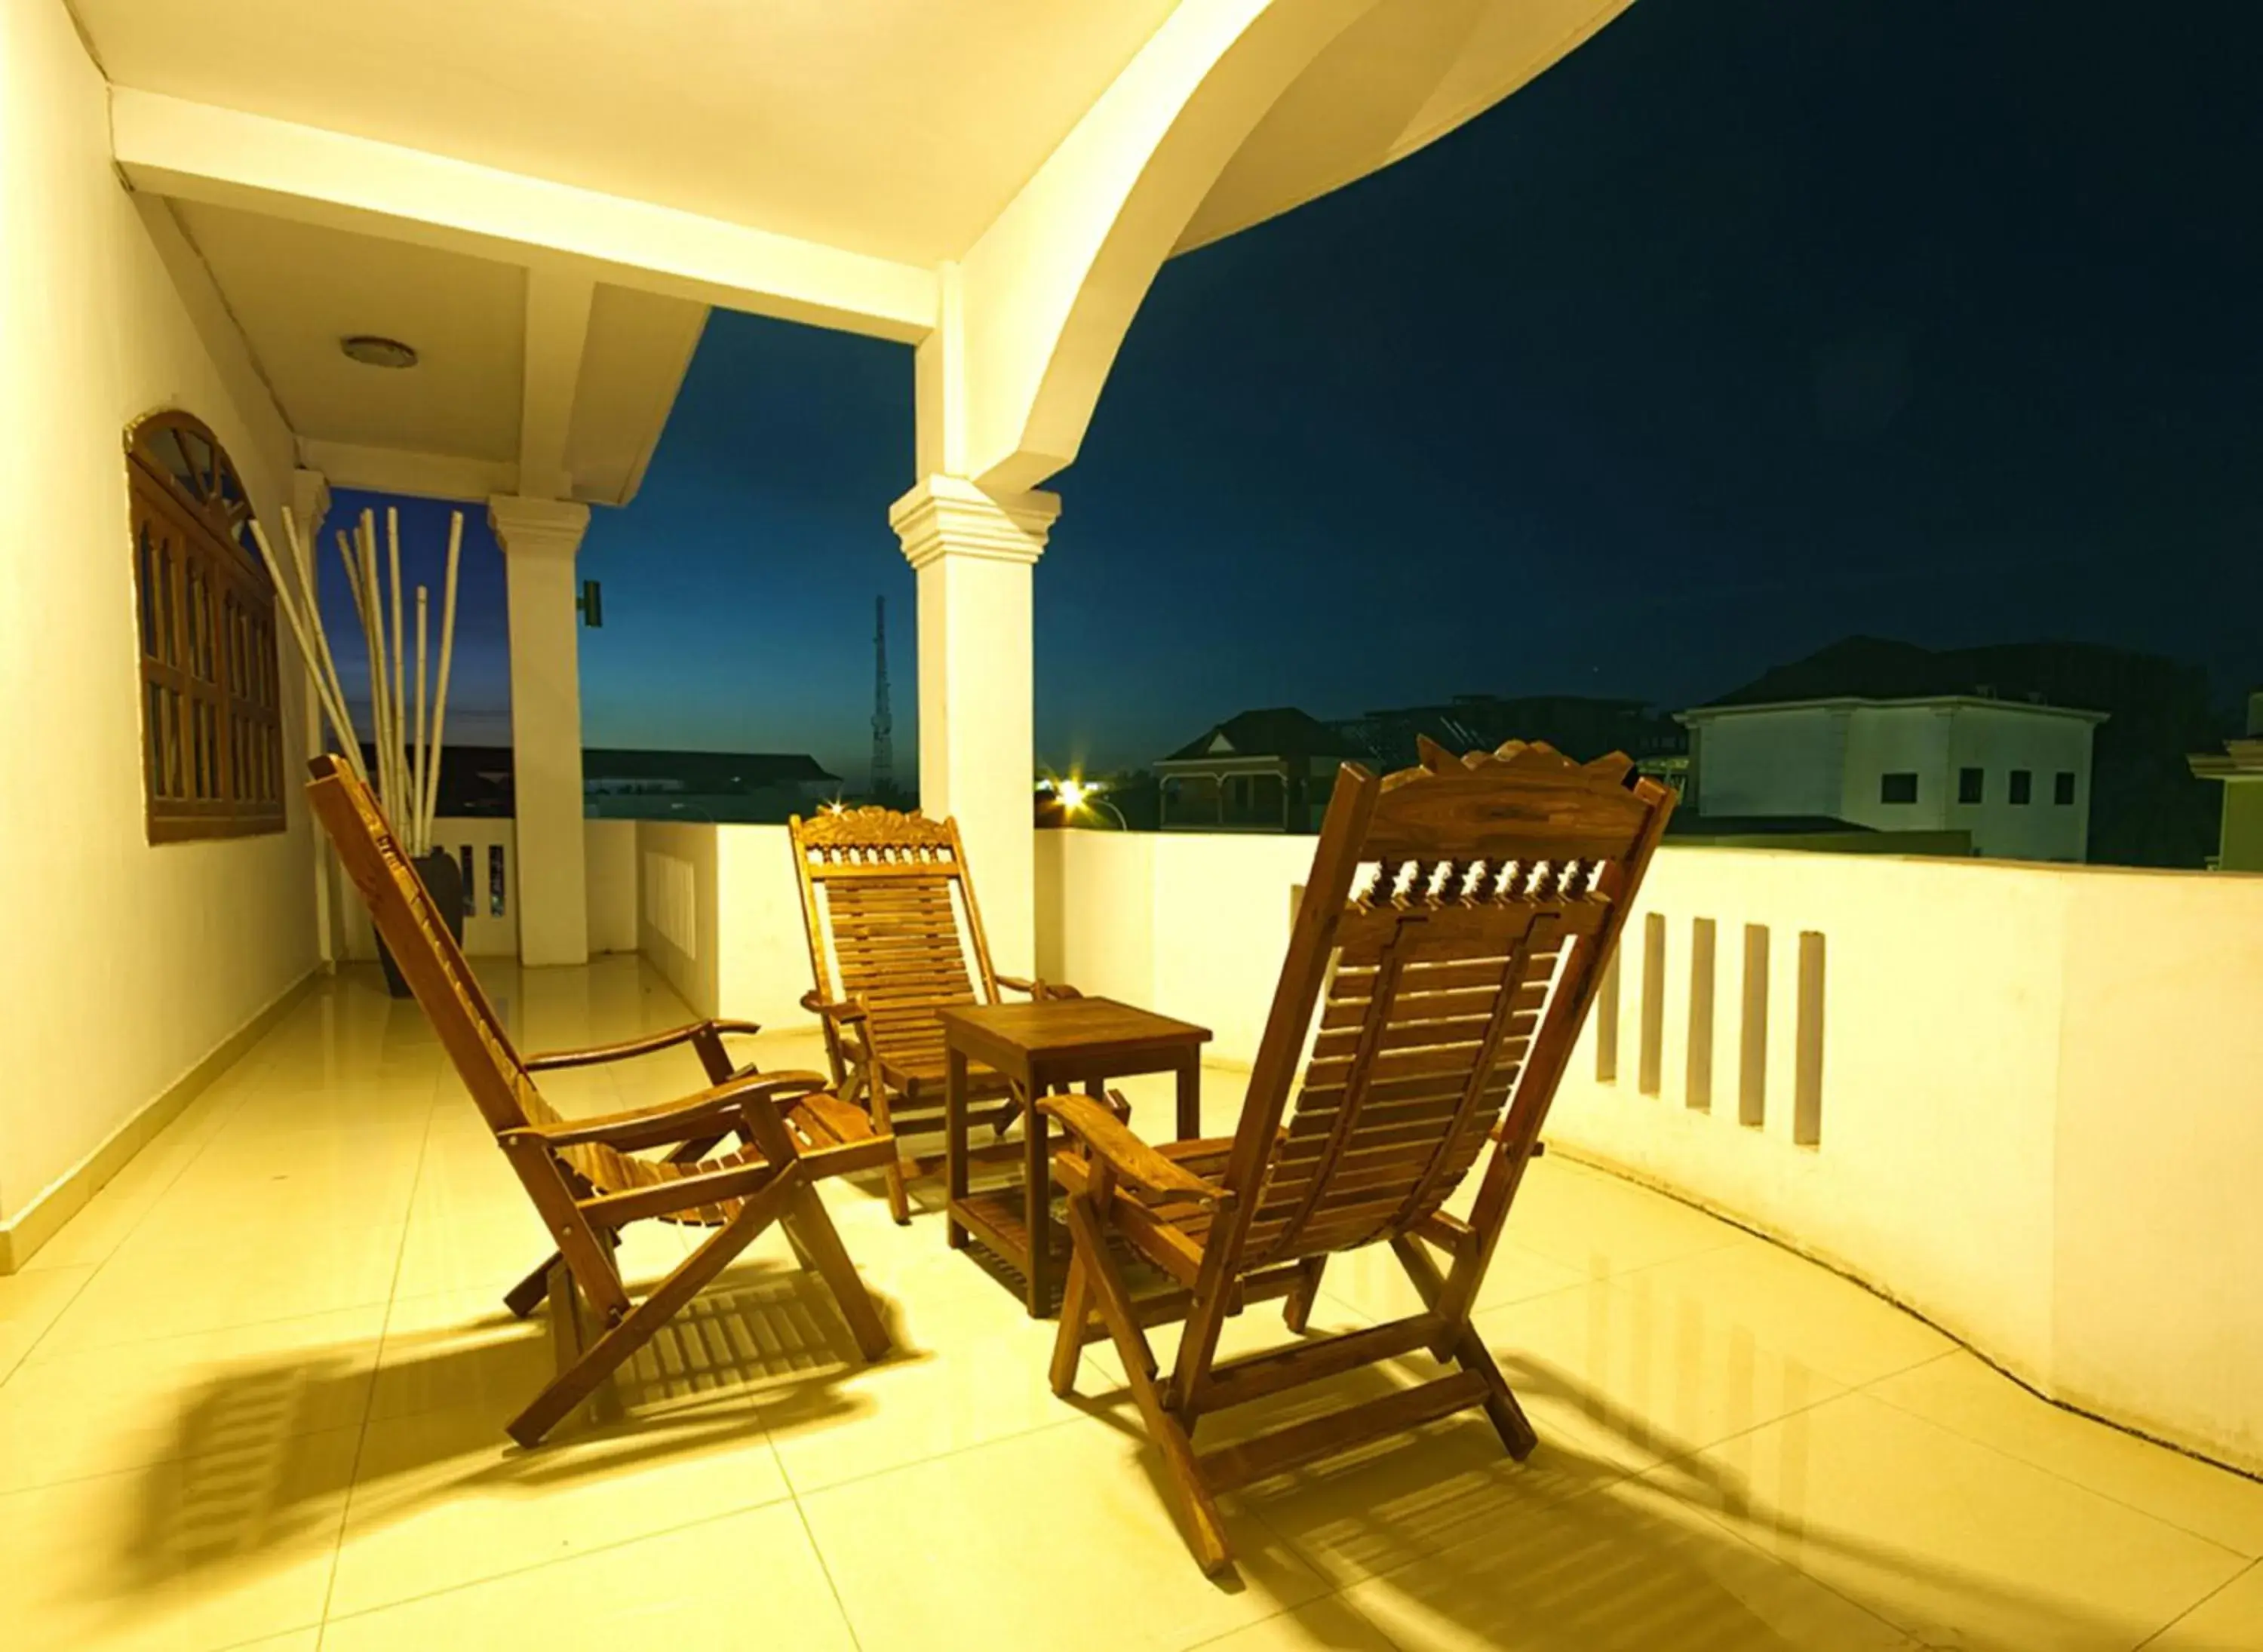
[[891, 922], [426, 954], [1445, 952]]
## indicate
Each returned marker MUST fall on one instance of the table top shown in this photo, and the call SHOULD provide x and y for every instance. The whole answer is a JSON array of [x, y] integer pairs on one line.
[[1059, 1026]]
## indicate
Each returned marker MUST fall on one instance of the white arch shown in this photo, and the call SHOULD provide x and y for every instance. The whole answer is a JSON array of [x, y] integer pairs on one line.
[[1033, 315]]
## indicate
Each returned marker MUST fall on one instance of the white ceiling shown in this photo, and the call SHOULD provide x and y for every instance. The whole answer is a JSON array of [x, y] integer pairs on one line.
[[894, 128], [297, 289]]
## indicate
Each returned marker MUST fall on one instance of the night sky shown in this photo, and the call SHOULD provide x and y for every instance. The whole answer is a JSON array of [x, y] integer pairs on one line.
[[1752, 324]]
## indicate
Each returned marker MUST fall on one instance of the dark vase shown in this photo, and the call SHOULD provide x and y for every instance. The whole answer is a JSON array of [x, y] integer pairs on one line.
[[444, 880]]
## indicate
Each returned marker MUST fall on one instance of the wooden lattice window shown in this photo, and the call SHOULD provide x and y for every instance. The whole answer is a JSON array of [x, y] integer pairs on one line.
[[212, 719]]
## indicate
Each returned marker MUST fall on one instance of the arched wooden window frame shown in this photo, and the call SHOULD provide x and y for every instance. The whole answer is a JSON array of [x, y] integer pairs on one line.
[[212, 714]]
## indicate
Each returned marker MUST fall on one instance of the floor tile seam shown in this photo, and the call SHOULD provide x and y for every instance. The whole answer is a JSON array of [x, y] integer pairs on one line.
[[208, 1330], [2251, 1569], [1625, 1477], [2127, 1434], [40, 1336], [1074, 1415], [1334, 1594], [652, 1535], [1720, 1518], [95, 1269], [369, 1396], [2063, 1479], [824, 1566]]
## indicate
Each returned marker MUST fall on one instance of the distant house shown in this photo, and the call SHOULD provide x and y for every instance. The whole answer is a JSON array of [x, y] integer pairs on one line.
[[1267, 771], [2145, 808], [1273, 770], [1896, 740], [1576, 725], [2239, 766]]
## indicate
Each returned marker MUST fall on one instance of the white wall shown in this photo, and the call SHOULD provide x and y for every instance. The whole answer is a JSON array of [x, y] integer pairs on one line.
[[719, 917], [1831, 760], [1997, 740], [125, 964], [1770, 761], [609, 864], [2041, 1112], [1192, 925], [1882, 740]]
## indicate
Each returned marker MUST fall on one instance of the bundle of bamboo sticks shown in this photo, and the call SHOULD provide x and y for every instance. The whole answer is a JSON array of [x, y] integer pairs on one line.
[[407, 780]]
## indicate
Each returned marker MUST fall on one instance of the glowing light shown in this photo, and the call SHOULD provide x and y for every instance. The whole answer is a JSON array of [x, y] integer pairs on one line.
[[1074, 793]]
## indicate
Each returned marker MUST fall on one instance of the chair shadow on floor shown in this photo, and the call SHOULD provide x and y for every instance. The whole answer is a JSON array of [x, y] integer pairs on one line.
[[1571, 1550], [258, 1465]]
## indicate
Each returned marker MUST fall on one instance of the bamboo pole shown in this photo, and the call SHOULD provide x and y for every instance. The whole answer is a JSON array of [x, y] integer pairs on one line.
[[381, 689], [418, 834], [431, 800], [336, 711], [302, 558], [347, 558], [399, 679]]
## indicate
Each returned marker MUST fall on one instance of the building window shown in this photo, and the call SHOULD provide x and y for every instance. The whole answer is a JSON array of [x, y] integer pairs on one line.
[[1254, 800], [1190, 799], [212, 720], [2062, 788], [1971, 783], [1898, 788], [2023, 784]]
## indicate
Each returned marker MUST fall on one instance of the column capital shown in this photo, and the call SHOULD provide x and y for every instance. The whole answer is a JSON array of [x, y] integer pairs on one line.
[[310, 499], [537, 527], [949, 516]]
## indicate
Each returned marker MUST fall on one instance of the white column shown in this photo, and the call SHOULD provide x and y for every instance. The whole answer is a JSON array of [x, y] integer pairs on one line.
[[310, 506], [540, 538], [973, 553]]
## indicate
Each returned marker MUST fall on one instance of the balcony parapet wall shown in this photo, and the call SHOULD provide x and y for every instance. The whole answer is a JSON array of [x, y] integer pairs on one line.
[[2025, 1101]]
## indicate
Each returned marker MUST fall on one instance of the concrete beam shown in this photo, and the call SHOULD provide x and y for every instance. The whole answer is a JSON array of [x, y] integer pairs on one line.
[[169, 145]]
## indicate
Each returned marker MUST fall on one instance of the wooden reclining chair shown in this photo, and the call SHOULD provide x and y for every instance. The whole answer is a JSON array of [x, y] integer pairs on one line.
[[893, 928], [1452, 935], [583, 1175]]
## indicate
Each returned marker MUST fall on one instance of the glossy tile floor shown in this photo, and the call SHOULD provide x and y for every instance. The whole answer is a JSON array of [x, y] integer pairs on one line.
[[253, 1396]]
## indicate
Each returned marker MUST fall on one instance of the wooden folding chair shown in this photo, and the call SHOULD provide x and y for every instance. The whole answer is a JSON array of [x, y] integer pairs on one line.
[[894, 936], [583, 1175], [1452, 936]]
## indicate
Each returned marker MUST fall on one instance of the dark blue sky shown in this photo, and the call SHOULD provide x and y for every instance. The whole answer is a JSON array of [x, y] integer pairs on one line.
[[1752, 324]]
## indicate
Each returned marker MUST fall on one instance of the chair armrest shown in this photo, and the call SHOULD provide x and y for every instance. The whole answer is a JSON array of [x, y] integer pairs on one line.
[[1036, 988], [831, 1010], [627, 1049], [689, 1119], [1091, 1122]]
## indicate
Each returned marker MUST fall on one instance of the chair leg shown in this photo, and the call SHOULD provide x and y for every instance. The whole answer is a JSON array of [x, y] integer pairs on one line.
[[1508, 1417], [900, 1204], [1076, 1312], [809, 1226], [599, 1359], [527, 1295], [1468, 1351], [1298, 1310], [1190, 1498]]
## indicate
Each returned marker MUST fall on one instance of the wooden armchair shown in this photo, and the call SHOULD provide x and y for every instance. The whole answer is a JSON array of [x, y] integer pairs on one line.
[[894, 936], [1451, 938], [584, 1175]]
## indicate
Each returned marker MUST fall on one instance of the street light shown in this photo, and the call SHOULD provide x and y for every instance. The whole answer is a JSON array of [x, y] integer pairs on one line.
[[1076, 795]]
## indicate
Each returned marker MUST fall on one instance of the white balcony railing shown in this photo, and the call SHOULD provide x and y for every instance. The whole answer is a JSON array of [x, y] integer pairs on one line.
[[2026, 1101]]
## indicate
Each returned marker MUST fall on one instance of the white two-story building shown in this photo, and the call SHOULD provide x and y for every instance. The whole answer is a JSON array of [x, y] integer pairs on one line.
[[2015, 775]]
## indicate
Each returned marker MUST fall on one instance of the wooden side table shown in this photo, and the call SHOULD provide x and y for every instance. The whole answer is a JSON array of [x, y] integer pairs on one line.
[[1039, 1049]]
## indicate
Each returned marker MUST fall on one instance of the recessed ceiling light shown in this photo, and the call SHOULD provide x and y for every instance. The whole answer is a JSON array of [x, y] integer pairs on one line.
[[372, 352]]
